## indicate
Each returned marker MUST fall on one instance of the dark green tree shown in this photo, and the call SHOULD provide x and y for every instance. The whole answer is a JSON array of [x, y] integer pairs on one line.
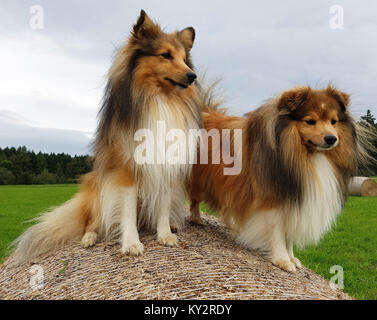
[[6, 176], [369, 117], [27, 167], [6, 164], [45, 177]]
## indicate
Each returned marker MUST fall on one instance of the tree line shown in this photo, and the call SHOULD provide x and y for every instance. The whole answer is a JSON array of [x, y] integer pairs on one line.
[[22, 166]]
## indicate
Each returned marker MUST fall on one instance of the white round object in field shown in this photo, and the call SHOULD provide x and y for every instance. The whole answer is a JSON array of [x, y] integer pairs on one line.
[[362, 186]]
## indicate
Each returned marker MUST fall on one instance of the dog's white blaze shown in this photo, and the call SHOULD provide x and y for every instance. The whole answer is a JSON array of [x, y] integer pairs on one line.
[[322, 203]]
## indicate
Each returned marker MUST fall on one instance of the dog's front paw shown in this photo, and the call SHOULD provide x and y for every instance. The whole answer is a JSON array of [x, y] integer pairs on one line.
[[296, 262], [169, 240], [285, 265], [133, 249], [89, 239]]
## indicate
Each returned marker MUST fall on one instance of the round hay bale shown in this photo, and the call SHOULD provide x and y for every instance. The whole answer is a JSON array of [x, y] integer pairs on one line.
[[208, 264], [362, 186]]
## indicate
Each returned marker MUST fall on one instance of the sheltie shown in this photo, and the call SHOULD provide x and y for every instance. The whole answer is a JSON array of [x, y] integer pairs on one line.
[[298, 151], [151, 80]]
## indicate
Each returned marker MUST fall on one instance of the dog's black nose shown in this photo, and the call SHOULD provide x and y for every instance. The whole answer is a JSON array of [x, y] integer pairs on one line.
[[191, 76], [330, 140]]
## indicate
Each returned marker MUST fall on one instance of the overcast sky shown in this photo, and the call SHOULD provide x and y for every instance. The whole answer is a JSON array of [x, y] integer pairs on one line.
[[52, 79]]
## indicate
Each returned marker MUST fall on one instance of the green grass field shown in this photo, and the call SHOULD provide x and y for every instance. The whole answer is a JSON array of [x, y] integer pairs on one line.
[[21, 203], [352, 244]]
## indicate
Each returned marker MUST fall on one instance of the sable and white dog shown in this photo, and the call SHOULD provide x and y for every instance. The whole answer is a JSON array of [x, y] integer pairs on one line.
[[299, 151], [151, 81]]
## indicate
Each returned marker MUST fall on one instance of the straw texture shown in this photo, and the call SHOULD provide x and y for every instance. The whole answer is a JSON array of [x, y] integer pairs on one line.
[[208, 264]]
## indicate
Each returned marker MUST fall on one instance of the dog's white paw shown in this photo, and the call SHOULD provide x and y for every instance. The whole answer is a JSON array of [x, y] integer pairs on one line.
[[296, 262], [133, 249], [89, 239], [169, 240], [285, 265]]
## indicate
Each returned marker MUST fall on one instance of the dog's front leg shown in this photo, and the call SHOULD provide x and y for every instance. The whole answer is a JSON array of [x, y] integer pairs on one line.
[[130, 236], [164, 234], [279, 254], [294, 260], [265, 232]]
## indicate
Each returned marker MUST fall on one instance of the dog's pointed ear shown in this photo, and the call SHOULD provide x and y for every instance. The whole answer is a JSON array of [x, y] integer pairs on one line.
[[341, 97], [293, 99], [187, 37], [145, 27]]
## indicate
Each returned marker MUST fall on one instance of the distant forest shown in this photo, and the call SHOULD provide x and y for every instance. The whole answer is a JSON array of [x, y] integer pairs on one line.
[[22, 166]]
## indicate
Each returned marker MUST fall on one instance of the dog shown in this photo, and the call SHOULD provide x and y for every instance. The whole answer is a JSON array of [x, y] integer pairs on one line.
[[299, 151], [151, 81]]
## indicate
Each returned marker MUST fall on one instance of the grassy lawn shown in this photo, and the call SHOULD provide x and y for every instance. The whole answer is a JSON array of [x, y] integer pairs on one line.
[[352, 244], [21, 203]]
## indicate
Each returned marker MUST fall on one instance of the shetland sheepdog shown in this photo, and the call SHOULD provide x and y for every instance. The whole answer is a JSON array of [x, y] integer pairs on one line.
[[299, 151], [151, 80]]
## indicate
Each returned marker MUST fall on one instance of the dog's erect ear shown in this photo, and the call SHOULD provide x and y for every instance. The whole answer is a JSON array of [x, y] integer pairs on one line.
[[292, 99], [145, 27], [342, 98], [187, 37]]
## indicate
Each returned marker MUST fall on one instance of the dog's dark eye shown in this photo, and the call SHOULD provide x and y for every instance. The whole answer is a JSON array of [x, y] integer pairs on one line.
[[333, 122], [167, 55], [311, 122]]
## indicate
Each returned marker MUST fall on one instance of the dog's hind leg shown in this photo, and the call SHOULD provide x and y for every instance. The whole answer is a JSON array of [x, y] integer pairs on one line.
[[164, 234], [90, 235], [129, 233], [90, 210], [195, 213], [89, 239]]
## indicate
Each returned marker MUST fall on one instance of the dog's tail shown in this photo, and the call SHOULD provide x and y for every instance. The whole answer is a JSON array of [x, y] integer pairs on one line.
[[211, 98], [61, 225], [55, 228]]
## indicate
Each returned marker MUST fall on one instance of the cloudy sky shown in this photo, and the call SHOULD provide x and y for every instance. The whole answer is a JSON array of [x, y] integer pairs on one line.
[[52, 78]]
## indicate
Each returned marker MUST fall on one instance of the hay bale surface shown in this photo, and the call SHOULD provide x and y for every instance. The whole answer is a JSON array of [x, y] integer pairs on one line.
[[208, 264], [362, 186]]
